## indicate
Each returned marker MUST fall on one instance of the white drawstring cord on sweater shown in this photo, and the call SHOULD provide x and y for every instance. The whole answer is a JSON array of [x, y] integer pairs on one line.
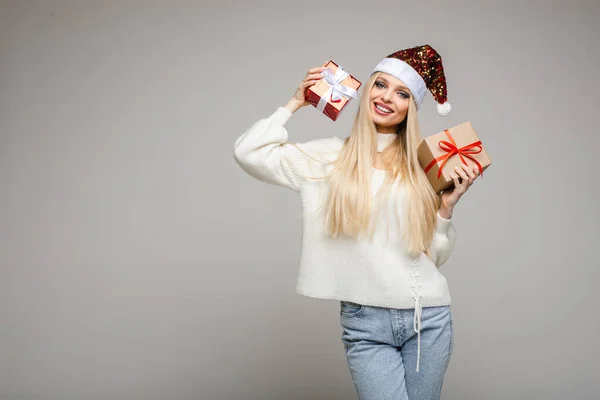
[[417, 327], [418, 308]]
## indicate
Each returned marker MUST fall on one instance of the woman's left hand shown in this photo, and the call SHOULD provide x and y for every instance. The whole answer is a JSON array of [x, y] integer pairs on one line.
[[468, 175]]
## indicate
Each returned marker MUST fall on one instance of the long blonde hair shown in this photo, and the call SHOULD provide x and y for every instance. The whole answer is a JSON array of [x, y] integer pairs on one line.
[[349, 201]]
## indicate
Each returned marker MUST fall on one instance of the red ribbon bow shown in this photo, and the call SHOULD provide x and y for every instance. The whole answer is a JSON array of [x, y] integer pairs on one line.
[[451, 149]]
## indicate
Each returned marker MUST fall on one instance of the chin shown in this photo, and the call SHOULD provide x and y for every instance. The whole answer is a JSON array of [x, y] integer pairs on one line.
[[384, 123]]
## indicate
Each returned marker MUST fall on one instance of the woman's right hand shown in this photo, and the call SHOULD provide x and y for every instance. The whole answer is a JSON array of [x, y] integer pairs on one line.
[[299, 99]]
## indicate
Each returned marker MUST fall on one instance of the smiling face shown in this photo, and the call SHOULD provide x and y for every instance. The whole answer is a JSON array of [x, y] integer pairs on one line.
[[388, 103]]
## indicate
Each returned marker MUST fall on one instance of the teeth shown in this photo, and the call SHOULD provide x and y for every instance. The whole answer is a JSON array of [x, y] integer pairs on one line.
[[383, 109]]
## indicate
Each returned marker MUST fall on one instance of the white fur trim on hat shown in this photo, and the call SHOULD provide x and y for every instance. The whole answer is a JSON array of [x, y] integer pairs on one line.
[[407, 74]]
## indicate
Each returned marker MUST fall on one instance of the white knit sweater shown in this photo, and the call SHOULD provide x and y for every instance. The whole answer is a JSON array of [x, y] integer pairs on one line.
[[374, 271]]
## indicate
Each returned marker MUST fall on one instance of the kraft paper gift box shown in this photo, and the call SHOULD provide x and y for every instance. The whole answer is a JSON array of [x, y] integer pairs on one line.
[[333, 92], [440, 153]]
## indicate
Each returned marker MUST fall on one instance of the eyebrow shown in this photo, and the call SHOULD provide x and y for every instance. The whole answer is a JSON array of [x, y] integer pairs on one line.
[[397, 87]]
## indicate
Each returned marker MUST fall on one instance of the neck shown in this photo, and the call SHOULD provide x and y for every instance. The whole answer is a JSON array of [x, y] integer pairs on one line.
[[383, 140], [386, 129]]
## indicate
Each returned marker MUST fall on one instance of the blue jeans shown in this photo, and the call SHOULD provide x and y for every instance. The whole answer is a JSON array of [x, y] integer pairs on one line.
[[381, 349]]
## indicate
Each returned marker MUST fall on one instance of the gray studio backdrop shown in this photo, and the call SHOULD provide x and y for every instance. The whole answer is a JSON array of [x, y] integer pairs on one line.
[[138, 261]]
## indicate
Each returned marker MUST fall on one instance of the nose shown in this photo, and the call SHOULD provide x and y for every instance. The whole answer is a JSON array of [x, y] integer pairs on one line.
[[387, 95]]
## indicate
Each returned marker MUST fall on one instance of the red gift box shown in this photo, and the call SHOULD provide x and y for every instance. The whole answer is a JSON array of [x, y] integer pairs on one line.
[[332, 93]]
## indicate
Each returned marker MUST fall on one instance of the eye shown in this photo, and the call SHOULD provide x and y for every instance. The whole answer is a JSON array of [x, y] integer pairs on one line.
[[379, 84], [404, 95]]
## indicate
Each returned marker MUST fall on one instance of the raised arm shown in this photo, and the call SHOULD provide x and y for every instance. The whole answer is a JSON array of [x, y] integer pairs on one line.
[[263, 151]]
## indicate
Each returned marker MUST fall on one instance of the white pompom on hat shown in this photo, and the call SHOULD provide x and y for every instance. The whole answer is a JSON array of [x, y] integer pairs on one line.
[[420, 69]]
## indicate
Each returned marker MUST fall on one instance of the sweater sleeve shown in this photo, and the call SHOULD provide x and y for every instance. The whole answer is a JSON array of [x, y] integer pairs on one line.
[[443, 241], [264, 152]]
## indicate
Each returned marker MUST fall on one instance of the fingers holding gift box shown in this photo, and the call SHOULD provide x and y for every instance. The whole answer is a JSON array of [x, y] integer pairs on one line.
[[464, 175], [331, 94], [439, 154]]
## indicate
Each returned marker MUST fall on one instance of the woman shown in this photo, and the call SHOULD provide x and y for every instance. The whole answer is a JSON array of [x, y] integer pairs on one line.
[[374, 231]]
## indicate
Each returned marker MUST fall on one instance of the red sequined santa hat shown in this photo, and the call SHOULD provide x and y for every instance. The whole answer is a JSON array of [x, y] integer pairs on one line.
[[419, 68]]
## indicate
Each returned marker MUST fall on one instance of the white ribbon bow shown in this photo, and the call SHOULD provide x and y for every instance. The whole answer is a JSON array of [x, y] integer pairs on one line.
[[336, 90]]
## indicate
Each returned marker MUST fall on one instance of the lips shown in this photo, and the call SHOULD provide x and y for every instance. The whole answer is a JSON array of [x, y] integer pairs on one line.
[[379, 112], [383, 106]]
